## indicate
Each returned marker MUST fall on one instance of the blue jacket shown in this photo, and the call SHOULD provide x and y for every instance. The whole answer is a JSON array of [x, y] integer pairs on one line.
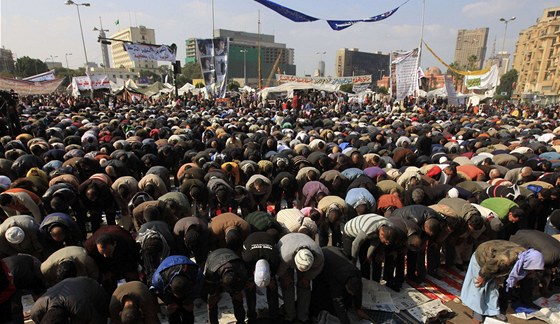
[[182, 265]]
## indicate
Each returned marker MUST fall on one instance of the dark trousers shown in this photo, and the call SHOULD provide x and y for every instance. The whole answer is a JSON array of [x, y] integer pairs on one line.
[[393, 272], [365, 266], [238, 309], [181, 316], [336, 235], [271, 297]]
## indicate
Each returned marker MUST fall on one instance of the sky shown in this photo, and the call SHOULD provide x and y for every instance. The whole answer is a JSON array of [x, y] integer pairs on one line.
[[44, 28]]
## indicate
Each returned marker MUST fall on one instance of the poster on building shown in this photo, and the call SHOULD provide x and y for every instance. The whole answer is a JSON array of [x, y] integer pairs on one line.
[[150, 52], [213, 57], [404, 73], [486, 81], [451, 93]]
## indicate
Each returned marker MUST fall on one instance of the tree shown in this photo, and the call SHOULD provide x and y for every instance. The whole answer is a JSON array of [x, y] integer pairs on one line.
[[346, 88], [27, 66], [457, 78], [233, 86], [191, 71], [506, 83], [472, 60], [383, 90]]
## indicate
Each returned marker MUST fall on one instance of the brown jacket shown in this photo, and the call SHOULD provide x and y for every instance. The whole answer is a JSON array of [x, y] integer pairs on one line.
[[496, 258]]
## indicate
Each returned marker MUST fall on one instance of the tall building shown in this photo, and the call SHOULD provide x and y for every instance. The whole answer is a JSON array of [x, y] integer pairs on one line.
[[139, 34], [536, 59], [349, 62], [471, 43], [244, 52], [501, 59], [6, 60]]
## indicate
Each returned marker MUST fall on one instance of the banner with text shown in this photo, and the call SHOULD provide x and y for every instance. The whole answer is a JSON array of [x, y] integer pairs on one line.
[[284, 78], [213, 57], [26, 88], [451, 93], [94, 82], [149, 52], [45, 76], [404, 73], [486, 81]]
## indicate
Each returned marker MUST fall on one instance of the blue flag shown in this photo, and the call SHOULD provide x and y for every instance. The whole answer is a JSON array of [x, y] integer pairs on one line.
[[287, 12], [343, 24]]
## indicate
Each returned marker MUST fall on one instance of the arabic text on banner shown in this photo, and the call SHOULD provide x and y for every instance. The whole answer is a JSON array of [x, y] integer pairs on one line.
[[149, 52], [405, 73], [94, 81], [283, 78]]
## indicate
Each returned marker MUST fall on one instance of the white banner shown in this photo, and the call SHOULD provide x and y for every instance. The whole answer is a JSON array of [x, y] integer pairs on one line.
[[87, 83], [45, 76], [451, 93], [149, 52], [404, 73], [283, 78], [486, 81]]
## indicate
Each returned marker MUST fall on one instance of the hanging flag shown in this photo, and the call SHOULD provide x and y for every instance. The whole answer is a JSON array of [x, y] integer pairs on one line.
[[291, 14], [337, 25], [343, 24], [117, 22], [477, 72]]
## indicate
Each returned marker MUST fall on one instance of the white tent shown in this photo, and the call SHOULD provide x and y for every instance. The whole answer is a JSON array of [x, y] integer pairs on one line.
[[287, 89]]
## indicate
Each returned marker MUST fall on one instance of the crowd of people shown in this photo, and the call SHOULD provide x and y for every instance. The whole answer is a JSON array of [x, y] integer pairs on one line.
[[109, 208]]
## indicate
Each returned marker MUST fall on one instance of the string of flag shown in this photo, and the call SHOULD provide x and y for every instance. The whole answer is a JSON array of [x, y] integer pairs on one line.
[[461, 72], [337, 25]]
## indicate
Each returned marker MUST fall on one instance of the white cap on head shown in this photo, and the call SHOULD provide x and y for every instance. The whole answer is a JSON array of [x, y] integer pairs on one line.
[[453, 193], [15, 235], [262, 273], [304, 259]]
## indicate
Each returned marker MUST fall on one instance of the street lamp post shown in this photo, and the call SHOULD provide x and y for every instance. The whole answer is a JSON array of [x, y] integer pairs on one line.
[[67, 67], [381, 74], [505, 21], [244, 51], [68, 3]]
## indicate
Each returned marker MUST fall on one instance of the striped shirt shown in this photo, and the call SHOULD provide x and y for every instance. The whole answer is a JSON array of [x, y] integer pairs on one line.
[[290, 219], [363, 228]]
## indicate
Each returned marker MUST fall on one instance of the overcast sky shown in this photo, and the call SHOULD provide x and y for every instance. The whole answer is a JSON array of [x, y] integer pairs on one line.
[[41, 28]]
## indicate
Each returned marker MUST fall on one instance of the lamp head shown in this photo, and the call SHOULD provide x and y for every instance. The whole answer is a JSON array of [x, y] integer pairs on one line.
[[502, 19], [69, 2]]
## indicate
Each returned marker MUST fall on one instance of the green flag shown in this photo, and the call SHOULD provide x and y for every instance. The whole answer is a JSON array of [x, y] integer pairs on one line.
[[117, 22]]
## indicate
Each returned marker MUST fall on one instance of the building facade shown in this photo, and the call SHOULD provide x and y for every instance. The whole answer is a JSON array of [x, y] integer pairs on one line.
[[139, 34], [6, 60], [501, 59], [471, 43], [536, 59], [243, 56], [350, 62]]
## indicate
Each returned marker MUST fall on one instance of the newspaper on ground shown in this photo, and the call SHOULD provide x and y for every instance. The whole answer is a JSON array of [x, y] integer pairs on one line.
[[428, 310], [376, 297], [408, 297], [549, 315]]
